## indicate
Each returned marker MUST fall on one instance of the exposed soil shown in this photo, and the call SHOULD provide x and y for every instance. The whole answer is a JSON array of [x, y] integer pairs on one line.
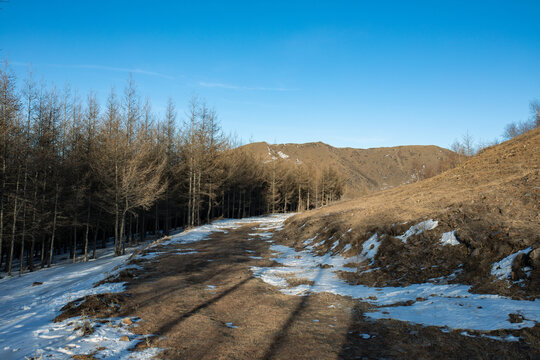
[[207, 305]]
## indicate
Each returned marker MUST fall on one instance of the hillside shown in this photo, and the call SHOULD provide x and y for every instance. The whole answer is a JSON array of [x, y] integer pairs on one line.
[[365, 170], [484, 229]]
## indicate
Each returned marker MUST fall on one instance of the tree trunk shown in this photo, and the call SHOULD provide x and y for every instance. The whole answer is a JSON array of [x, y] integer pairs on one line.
[[23, 234], [199, 200], [33, 236], [136, 229], [104, 239], [54, 226], [43, 257], [222, 203], [322, 195], [14, 225], [2, 207], [116, 229], [94, 247], [122, 228], [273, 191], [233, 203], [316, 194], [130, 232], [209, 204], [228, 204], [239, 215], [299, 198], [189, 200], [143, 226], [75, 243], [87, 230], [166, 212], [249, 204], [156, 224]]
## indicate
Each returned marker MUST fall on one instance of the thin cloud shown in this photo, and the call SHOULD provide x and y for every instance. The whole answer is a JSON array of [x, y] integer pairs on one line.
[[100, 67], [235, 87], [117, 69]]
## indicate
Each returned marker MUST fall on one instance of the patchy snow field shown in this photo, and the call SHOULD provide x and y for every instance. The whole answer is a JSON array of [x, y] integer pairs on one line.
[[27, 311], [451, 306]]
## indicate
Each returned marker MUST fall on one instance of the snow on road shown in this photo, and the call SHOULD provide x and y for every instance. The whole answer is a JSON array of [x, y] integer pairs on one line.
[[27, 311]]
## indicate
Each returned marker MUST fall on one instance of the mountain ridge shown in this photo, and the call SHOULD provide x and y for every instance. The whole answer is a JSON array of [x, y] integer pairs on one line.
[[365, 170]]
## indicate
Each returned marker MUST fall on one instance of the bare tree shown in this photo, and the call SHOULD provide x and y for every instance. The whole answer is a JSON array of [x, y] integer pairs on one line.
[[535, 113], [468, 144]]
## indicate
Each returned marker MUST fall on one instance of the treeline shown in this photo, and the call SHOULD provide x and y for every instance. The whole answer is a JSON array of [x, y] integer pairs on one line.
[[298, 187], [520, 127], [75, 173], [468, 146]]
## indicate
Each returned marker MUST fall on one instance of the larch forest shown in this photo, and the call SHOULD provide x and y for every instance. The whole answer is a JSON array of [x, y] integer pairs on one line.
[[75, 173]]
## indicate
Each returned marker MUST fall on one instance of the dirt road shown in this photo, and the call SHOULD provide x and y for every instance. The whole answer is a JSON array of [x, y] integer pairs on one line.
[[202, 302]]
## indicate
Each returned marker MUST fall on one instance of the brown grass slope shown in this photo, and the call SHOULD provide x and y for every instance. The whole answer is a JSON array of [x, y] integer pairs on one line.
[[365, 170], [492, 201]]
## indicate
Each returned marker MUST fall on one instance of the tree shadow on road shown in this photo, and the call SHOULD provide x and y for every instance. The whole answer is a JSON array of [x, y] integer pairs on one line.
[[282, 333]]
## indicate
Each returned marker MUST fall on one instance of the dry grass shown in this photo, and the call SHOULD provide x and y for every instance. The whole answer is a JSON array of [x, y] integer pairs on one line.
[[501, 176], [293, 281]]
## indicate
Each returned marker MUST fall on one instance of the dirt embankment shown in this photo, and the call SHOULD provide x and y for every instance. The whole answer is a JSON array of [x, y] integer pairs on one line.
[[491, 203]]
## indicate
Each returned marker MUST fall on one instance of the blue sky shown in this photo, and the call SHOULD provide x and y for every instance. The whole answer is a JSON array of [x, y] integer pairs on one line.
[[359, 73]]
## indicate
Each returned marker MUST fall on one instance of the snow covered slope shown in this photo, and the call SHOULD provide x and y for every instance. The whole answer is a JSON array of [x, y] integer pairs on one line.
[[27, 311]]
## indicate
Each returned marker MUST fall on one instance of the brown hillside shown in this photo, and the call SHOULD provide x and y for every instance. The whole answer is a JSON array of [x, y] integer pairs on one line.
[[365, 170], [492, 202]]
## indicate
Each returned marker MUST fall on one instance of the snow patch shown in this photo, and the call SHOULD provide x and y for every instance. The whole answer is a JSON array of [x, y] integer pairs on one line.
[[370, 248], [502, 269], [418, 229], [309, 242], [282, 155], [449, 238]]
